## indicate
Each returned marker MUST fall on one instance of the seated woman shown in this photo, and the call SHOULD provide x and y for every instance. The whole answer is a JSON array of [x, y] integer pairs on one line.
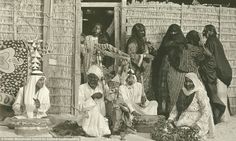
[[133, 95], [192, 108], [32, 100]]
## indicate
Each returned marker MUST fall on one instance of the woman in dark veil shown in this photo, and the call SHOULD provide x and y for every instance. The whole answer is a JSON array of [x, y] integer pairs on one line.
[[167, 55]]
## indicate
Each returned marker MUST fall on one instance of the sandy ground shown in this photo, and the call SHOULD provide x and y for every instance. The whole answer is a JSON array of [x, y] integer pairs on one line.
[[224, 132]]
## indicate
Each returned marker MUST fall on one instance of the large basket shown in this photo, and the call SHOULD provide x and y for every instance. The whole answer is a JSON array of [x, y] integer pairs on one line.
[[145, 123], [31, 127]]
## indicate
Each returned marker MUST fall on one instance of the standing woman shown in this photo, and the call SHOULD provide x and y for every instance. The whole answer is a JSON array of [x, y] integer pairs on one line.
[[137, 48], [223, 69], [161, 65], [207, 70]]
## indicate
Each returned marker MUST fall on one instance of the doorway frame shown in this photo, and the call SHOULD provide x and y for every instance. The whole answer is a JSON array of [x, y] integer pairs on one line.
[[117, 24]]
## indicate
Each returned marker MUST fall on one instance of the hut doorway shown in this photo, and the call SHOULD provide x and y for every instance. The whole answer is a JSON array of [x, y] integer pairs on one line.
[[106, 13]]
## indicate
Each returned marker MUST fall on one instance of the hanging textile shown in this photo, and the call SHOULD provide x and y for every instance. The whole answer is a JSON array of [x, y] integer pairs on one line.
[[13, 69]]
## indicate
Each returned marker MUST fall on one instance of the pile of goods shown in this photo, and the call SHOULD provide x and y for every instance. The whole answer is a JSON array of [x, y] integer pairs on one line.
[[68, 128], [163, 132], [145, 123]]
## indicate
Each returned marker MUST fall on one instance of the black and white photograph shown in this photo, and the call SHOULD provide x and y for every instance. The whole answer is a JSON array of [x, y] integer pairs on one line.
[[117, 70]]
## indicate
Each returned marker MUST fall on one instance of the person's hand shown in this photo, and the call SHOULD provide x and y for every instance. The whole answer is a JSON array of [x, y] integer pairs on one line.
[[134, 113], [207, 52], [195, 126], [143, 100], [37, 103], [170, 123], [97, 95]]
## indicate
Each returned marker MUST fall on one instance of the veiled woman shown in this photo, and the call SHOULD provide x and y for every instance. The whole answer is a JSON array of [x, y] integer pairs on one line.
[[207, 70], [165, 64]]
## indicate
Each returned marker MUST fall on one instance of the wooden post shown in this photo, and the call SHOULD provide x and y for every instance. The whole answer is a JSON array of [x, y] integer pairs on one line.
[[123, 24], [220, 22], [117, 26], [14, 21], [76, 55], [47, 34], [181, 17]]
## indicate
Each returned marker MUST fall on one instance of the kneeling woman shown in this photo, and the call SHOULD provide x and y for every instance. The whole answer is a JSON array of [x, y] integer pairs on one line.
[[192, 108]]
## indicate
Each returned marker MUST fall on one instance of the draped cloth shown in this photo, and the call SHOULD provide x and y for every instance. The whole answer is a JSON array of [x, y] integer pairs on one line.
[[132, 97], [223, 72], [24, 102], [223, 69], [197, 111], [92, 110]]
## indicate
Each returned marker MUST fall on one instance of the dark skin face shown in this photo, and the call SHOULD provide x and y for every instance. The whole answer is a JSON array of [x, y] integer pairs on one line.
[[40, 83], [93, 80], [188, 84], [97, 30], [130, 80]]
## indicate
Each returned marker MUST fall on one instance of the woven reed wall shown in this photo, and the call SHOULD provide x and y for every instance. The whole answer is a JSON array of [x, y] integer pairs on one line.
[[21, 19], [158, 16], [60, 81], [24, 19]]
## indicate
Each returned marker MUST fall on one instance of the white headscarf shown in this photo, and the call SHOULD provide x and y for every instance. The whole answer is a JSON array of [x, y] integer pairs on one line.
[[95, 70], [131, 72], [29, 94], [198, 86]]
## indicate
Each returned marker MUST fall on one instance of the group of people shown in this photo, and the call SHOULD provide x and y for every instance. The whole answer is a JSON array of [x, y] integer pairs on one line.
[[188, 77], [179, 55]]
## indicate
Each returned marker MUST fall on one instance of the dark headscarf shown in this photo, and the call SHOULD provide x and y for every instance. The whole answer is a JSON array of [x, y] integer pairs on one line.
[[103, 37], [172, 44], [193, 38], [223, 69], [138, 36]]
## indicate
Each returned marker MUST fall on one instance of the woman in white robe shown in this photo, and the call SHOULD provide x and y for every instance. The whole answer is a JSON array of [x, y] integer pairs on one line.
[[193, 108], [33, 99], [133, 94], [91, 104]]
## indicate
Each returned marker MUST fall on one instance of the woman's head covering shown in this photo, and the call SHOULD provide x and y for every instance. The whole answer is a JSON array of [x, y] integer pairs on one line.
[[175, 34], [210, 28], [193, 37], [29, 93], [94, 69], [138, 37], [131, 72], [138, 30], [198, 86]]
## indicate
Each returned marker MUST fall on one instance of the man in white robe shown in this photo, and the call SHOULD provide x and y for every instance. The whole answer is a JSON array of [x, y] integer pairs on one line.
[[133, 94], [91, 104], [33, 99]]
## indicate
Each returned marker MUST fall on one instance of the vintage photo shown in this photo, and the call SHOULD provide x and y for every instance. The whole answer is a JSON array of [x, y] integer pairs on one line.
[[111, 70]]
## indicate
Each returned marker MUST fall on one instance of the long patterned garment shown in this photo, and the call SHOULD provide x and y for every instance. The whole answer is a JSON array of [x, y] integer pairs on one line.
[[198, 112], [176, 76], [142, 68], [192, 108]]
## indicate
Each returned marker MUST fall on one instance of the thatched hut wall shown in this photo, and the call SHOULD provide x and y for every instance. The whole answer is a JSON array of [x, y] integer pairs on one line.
[[52, 20], [158, 16]]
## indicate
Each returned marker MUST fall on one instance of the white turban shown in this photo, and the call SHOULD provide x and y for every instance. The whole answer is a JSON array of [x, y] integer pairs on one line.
[[95, 70]]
